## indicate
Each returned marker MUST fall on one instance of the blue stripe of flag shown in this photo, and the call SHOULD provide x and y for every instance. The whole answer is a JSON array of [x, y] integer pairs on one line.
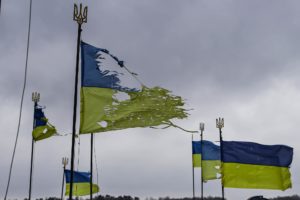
[[257, 154], [92, 75], [78, 177], [210, 150]]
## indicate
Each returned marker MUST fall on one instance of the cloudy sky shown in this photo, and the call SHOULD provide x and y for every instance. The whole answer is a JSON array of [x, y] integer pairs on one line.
[[234, 59]]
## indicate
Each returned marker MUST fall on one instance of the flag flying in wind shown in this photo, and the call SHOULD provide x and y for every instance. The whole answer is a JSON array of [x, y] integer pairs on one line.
[[81, 183], [207, 157], [253, 165], [42, 128], [108, 104], [196, 149]]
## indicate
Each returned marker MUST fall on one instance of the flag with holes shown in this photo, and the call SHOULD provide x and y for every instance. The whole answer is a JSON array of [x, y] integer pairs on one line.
[[110, 100], [81, 183], [42, 128], [207, 155]]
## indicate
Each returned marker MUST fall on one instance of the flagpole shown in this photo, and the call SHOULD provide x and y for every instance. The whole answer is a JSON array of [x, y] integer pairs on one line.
[[220, 125], [65, 163], [201, 136], [193, 170], [80, 17], [91, 170], [35, 99], [31, 162]]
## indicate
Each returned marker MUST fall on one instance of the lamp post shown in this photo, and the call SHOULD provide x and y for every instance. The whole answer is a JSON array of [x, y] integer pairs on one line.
[[220, 125]]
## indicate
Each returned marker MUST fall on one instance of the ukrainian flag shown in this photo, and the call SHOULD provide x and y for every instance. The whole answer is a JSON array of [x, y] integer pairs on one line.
[[196, 149], [81, 183], [253, 165], [110, 101], [207, 157], [42, 128]]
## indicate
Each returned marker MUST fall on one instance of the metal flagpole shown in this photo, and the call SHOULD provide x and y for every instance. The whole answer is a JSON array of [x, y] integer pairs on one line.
[[91, 180], [220, 125], [201, 136], [193, 170], [31, 162], [35, 99], [80, 17], [65, 163]]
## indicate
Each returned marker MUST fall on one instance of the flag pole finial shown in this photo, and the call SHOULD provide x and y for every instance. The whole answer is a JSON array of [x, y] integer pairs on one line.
[[201, 126], [220, 123], [65, 161], [35, 97], [80, 15]]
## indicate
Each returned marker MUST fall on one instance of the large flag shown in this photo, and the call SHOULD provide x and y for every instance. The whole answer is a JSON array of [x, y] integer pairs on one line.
[[107, 103], [42, 128], [81, 183], [253, 165], [207, 157]]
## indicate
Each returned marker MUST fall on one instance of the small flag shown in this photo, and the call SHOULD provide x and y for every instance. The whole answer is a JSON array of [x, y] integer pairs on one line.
[[207, 157], [42, 128], [253, 165], [109, 102], [81, 183], [196, 148]]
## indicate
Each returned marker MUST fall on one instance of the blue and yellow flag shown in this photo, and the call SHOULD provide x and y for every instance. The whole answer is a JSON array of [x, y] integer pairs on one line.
[[81, 183], [196, 150], [109, 102], [42, 128], [253, 165], [207, 157]]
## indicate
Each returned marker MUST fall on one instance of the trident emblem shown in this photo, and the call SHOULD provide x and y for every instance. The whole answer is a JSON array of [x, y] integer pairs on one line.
[[35, 97], [80, 17], [65, 161], [220, 123]]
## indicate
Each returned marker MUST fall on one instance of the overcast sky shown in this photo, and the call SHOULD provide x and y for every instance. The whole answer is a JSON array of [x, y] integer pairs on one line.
[[234, 59]]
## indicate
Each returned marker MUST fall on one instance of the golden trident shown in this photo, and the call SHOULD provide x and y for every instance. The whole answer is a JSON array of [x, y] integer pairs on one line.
[[220, 123], [35, 97], [80, 17], [65, 161]]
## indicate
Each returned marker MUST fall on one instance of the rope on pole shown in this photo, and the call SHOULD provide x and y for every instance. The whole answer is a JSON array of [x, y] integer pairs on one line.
[[96, 162], [21, 103]]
